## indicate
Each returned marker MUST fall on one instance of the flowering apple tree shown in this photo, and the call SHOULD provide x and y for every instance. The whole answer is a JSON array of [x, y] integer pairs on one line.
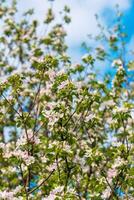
[[64, 134]]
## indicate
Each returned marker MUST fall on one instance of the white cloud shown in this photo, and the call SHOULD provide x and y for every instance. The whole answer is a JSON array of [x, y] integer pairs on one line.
[[82, 13]]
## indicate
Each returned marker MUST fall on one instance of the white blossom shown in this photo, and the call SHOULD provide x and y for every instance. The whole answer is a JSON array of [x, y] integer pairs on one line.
[[107, 104], [106, 193], [63, 84], [116, 62]]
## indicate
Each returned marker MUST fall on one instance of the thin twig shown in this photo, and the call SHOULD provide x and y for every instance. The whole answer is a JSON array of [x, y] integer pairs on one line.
[[38, 186]]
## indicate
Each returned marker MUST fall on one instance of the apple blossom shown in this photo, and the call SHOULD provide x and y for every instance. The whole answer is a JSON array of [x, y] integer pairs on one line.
[[66, 131]]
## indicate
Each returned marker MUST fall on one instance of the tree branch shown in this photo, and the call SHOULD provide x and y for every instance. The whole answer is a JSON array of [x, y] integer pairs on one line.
[[38, 186]]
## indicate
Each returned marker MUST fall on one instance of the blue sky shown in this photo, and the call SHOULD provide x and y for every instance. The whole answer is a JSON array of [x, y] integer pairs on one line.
[[128, 18], [83, 20]]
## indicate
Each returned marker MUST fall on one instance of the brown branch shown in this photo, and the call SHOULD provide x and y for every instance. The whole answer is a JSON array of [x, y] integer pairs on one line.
[[112, 189], [23, 180], [38, 186], [12, 106]]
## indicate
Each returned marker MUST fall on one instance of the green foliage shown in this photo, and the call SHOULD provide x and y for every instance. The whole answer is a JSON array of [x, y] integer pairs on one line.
[[64, 134]]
